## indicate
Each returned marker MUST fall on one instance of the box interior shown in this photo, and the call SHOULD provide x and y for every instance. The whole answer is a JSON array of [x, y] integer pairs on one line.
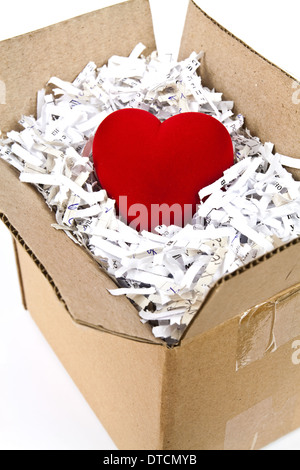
[[248, 81]]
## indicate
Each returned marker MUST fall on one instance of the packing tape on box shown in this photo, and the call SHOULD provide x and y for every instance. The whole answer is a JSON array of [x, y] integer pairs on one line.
[[266, 327], [258, 422]]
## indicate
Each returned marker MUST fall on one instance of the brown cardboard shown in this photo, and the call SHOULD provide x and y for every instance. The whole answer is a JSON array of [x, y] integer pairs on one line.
[[193, 397], [262, 92], [209, 392], [64, 49]]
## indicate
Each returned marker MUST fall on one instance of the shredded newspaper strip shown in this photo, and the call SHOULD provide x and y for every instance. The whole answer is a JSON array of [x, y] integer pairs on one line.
[[250, 211]]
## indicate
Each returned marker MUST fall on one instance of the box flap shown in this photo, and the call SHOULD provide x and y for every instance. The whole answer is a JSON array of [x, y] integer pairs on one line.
[[248, 287], [70, 45], [262, 92], [63, 50], [74, 274]]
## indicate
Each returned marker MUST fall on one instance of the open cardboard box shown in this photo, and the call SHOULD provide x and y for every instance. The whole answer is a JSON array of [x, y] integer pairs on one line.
[[234, 380]]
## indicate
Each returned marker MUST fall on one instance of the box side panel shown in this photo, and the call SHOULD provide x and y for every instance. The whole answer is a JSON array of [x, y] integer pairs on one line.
[[219, 403], [121, 379], [261, 91], [27, 62]]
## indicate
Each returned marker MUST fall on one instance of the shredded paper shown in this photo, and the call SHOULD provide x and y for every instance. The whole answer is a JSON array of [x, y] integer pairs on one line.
[[250, 211]]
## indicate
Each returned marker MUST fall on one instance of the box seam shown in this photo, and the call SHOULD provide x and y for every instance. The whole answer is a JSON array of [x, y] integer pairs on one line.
[[167, 405]]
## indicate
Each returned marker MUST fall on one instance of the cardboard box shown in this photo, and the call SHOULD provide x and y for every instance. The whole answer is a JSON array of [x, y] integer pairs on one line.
[[234, 380]]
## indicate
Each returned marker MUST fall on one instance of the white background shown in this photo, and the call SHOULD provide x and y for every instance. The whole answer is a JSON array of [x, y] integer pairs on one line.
[[40, 407]]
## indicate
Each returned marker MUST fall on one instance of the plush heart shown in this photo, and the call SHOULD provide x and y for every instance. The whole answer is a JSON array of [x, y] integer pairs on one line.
[[155, 170]]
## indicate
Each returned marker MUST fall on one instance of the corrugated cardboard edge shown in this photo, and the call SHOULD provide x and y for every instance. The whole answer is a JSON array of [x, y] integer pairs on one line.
[[219, 306], [245, 268], [18, 239], [20, 277]]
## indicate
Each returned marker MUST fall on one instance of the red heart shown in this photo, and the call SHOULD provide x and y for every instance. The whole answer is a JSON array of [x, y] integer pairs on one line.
[[140, 160]]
